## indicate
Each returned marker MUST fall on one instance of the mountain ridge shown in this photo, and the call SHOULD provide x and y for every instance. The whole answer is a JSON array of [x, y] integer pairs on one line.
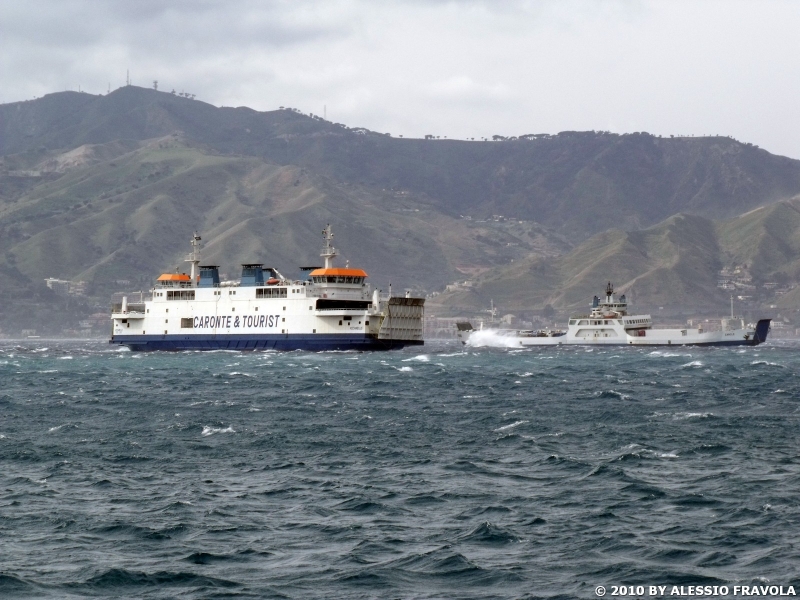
[[576, 182]]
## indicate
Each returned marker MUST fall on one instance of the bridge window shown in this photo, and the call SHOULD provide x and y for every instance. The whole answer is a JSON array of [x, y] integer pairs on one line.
[[180, 295], [271, 292]]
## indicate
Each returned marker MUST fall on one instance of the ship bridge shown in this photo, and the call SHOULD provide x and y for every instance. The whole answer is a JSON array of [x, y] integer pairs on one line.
[[350, 277]]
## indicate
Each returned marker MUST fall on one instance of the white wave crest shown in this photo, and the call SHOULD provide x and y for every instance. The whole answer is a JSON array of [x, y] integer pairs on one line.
[[694, 363], [420, 358], [491, 338], [212, 430], [511, 426], [693, 415]]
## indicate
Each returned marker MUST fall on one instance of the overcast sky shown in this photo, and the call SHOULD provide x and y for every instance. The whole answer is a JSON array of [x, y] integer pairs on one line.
[[459, 68]]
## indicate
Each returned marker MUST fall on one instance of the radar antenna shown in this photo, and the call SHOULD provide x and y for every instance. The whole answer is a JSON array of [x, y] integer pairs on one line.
[[194, 257], [328, 252]]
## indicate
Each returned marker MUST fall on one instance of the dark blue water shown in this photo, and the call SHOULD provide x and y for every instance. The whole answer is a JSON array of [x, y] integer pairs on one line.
[[424, 473]]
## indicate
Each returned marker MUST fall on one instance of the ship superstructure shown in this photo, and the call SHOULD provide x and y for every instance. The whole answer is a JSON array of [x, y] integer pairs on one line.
[[334, 309], [609, 323]]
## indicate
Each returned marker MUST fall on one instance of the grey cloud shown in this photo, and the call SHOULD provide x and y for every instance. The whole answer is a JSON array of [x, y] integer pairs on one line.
[[461, 68]]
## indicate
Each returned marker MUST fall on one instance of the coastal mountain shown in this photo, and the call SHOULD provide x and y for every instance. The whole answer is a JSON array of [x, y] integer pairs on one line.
[[577, 183], [128, 213], [678, 262], [107, 190]]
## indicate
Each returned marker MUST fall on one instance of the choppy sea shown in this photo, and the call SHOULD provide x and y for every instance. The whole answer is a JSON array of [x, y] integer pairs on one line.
[[434, 472]]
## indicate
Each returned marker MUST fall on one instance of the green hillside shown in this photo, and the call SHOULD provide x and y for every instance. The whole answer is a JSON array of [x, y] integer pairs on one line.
[[677, 263], [577, 183], [767, 240], [118, 216]]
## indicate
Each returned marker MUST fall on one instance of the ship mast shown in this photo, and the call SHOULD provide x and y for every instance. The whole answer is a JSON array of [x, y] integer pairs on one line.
[[328, 252], [194, 257]]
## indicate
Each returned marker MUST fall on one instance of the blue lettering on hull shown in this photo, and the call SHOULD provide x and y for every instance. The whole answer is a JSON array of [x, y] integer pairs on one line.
[[228, 321], [312, 342]]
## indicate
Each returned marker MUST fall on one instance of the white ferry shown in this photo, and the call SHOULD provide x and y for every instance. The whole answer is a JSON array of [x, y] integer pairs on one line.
[[333, 310], [609, 323]]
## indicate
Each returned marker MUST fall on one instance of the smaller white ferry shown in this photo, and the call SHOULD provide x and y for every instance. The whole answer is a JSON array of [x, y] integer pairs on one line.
[[609, 323]]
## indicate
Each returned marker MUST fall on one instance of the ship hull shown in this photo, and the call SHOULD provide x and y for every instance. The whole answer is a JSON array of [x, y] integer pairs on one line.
[[615, 336], [511, 341], [283, 342]]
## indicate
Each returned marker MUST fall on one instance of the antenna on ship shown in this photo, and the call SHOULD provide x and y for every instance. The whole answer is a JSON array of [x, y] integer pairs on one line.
[[194, 257], [731, 306], [328, 252]]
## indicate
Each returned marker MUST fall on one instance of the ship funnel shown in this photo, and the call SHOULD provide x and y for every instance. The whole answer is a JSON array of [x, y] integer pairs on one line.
[[209, 276], [595, 302], [252, 274]]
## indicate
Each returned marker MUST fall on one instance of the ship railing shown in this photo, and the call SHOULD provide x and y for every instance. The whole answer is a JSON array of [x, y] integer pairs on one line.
[[133, 307], [340, 294], [133, 297]]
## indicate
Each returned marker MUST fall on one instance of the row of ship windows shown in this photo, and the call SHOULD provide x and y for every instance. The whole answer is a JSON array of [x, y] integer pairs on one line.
[[585, 322], [606, 322], [260, 293], [233, 309], [336, 279]]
